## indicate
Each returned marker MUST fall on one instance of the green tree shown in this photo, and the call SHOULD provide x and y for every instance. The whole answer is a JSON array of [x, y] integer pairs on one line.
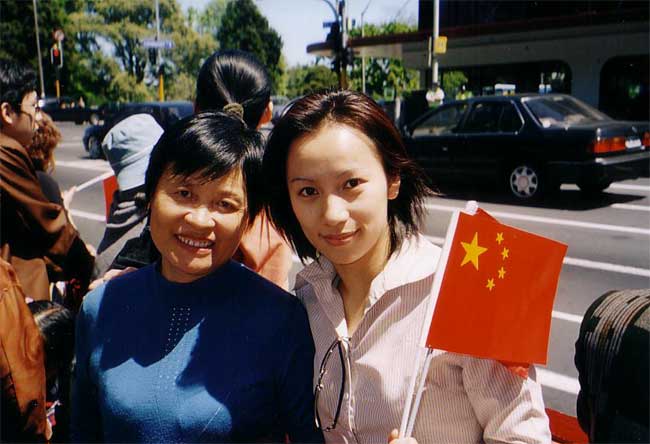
[[383, 74], [244, 27], [208, 20], [18, 39], [120, 27], [305, 79], [452, 81]]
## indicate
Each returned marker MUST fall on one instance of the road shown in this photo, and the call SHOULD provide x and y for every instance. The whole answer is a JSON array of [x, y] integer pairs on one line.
[[608, 238]]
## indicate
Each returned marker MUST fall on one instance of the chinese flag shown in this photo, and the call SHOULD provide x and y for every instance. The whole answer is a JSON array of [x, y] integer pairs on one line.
[[497, 291]]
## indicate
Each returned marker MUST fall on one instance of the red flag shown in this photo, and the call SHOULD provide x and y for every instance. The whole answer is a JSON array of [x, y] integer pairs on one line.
[[497, 291]]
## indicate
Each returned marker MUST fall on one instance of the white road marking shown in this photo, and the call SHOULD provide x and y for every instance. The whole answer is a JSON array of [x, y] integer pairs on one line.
[[87, 215], [93, 181], [631, 207], [558, 381], [550, 220], [85, 164], [605, 266], [625, 186], [567, 317]]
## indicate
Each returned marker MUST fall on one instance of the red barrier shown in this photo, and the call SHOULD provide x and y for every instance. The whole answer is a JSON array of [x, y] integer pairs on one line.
[[110, 186], [565, 429]]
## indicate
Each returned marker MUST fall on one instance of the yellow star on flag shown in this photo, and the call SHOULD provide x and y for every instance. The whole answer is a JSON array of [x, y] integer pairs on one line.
[[504, 253], [490, 284], [502, 273], [472, 251], [499, 238]]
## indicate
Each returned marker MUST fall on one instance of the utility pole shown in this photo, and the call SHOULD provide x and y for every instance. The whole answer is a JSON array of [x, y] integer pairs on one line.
[[161, 80], [38, 50], [436, 34], [363, 58]]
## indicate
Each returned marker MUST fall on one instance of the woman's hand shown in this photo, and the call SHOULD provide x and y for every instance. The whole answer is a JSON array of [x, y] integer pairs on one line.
[[110, 274], [394, 438]]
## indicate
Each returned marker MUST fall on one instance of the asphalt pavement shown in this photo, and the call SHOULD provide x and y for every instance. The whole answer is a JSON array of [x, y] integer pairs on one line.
[[608, 238]]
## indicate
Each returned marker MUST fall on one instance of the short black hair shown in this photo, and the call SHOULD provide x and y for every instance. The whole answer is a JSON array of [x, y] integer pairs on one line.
[[16, 80], [234, 76], [212, 144], [358, 111]]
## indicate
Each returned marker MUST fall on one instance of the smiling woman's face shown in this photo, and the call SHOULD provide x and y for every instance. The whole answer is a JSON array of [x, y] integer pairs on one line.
[[197, 224]]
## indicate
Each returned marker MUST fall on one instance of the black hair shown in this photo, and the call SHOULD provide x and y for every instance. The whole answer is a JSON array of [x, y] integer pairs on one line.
[[234, 76], [56, 324], [16, 80], [360, 112], [211, 144]]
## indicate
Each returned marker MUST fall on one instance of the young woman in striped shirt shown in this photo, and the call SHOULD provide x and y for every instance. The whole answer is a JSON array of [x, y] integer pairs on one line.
[[346, 195]]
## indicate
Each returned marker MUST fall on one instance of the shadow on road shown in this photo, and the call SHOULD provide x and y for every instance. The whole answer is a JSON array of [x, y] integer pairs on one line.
[[559, 200]]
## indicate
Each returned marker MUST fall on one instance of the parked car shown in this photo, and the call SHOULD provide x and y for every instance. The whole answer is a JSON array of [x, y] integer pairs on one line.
[[67, 109], [165, 113], [529, 143]]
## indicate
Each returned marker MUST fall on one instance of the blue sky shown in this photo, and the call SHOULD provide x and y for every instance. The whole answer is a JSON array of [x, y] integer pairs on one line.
[[299, 22]]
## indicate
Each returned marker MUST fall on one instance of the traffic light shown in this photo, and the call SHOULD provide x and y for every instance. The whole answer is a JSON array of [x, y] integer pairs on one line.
[[56, 55], [153, 56]]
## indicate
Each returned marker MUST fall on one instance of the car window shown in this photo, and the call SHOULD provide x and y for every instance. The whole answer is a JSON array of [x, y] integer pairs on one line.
[[562, 111], [484, 118], [510, 120], [441, 122]]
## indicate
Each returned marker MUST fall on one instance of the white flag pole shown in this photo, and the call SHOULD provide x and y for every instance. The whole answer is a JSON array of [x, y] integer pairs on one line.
[[410, 409], [418, 396]]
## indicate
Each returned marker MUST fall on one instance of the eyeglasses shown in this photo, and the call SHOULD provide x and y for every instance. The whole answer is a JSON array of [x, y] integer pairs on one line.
[[338, 344]]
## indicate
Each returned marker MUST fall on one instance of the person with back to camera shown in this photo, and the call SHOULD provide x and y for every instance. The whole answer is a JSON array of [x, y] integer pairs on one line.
[[36, 237], [613, 361], [127, 145], [195, 347], [345, 194], [237, 79]]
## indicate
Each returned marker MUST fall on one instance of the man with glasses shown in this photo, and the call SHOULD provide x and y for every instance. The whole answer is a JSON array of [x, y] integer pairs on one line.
[[36, 236]]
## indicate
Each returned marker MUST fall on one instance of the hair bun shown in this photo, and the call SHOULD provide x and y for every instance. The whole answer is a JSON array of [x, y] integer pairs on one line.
[[235, 109]]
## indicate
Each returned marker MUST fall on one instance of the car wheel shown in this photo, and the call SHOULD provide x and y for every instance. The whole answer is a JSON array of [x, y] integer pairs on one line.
[[525, 181], [94, 148], [594, 187], [94, 119]]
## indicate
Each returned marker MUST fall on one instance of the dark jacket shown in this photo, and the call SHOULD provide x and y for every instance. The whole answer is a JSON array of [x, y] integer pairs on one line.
[[36, 236]]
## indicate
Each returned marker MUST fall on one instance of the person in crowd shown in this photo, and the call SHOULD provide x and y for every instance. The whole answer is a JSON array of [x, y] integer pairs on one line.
[[613, 361], [22, 370], [41, 151], [233, 78], [36, 236], [127, 146], [343, 191], [196, 347], [56, 324]]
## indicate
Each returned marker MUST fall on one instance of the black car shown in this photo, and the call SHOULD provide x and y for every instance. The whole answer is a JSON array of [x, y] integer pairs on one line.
[[529, 143], [165, 113], [67, 109]]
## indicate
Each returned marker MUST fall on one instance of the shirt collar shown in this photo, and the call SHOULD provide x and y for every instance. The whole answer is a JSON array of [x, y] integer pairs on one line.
[[416, 259]]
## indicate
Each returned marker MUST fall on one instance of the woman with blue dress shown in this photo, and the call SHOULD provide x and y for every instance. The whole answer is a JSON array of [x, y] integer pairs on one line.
[[196, 347]]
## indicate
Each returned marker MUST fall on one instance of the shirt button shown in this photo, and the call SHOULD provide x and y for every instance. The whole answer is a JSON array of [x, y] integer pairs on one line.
[[346, 396]]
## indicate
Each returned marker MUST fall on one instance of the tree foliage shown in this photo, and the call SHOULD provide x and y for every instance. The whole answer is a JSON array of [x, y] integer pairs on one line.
[[244, 27], [305, 79], [383, 75]]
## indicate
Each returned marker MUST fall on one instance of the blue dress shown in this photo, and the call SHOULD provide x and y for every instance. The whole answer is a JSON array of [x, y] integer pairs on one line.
[[226, 358]]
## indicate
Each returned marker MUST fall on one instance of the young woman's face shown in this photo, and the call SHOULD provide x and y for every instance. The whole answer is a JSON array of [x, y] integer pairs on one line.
[[339, 193], [197, 224]]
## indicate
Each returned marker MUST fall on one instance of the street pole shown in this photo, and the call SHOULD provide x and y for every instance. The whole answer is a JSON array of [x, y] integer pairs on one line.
[[38, 50], [344, 43], [363, 57], [161, 80], [436, 34]]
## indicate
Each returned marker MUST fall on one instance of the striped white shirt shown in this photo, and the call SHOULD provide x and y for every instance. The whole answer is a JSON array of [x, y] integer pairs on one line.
[[466, 399]]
